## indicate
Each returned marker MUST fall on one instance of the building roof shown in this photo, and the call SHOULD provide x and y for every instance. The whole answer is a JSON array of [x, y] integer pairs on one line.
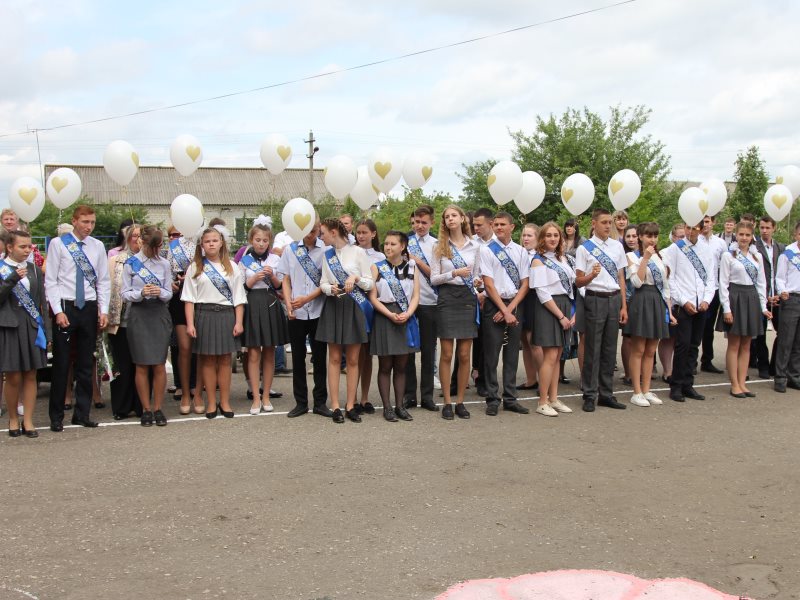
[[225, 186]]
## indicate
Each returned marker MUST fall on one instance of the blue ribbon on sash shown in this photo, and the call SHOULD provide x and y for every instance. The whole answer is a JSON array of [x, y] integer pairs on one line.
[[412, 325], [179, 254], [793, 258], [506, 263], [694, 259], [341, 276], [143, 272], [658, 279], [253, 265], [562, 275], [218, 280], [751, 269], [415, 249], [81, 260], [25, 300], [309, 266], [604, 259], [459, 263]]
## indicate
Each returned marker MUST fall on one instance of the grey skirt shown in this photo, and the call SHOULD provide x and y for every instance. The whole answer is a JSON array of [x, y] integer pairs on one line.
[[455, 313], [647, 315], [149, 330], [748, 319], [342, 322], [548, 332], [265, 322], [18, 350], [388, 338], [214, 324], [528, 307]]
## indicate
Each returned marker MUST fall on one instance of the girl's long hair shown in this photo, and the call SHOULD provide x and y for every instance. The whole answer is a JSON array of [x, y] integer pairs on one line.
[[370, 224], [540, 245], [224, 257], [443, 249]]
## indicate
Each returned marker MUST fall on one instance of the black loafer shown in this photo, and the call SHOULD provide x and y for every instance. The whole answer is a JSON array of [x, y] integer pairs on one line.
[[410, 403], [492, 408], [462, 412], [275, 394], [323, 411], [298, 411], [352, 415], [368, 408], [58, 427], [402, 414], [692, 393], [358, 409], [588, 405], [611, 403], [429, 405], [710, 368], [447, 412], [337, 416], [85, 422], [676, 395], [30, 433], [15, 432], [389, 415], [160, 418], [515, 407], [147, 419]]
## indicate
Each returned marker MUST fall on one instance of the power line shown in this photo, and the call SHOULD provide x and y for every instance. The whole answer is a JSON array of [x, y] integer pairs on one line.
[[327, 73]]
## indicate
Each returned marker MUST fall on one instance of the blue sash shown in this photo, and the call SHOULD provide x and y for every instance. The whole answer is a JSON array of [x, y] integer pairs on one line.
[[751, 269], [252, 264], [604, 259], [793, 258], [341, 276], [218, 280], [143, 272], [25, 300], [694, 259], [80, 258], [459, 263], [412, 325], [416, 250], [179, 255], [309, 266], [562, 275], [658, 279], [506, 263]]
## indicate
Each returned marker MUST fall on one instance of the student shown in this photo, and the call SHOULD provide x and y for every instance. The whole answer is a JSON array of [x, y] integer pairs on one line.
[[147, 288], [630, 242], [214, 297], [770, 250], [717, 248], [531, 355], [23, 338], [482, 225], [787, 285], [666, 347], [620, 221], [395, 331]]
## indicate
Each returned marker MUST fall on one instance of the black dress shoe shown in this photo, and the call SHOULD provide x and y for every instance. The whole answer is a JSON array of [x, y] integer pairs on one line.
[[368, 408], [211, 415], [611, 403], [710, 368], [58, 426], [337, 416], [588, 405], [30, 433], [780, 387], [492, 408], [564, 380], [358, 409], [389, 414], [352, 415], [481, 392], [275, 394], [462, 412], [323, 411], [676, 395], [228, 414], [447, 412], [402, 414], [15, 432], [297, 411], [429, 405], [739, 395], [793, 384], [147, 419], [160, 418], [249, 395], [627, 381], [533, 386], [692, 393], [763, 374], [515, 407], [410, 403], [85, 422]]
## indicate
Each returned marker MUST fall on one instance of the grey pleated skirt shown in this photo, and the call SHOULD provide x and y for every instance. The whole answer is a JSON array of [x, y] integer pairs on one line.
[[455, 313], [342, 322], [746, 308], [18, 350], [388, 338], [214, 324], [548, 332], [149, 332], [580, 313], [647, 315], [265, 322], [528, 307]]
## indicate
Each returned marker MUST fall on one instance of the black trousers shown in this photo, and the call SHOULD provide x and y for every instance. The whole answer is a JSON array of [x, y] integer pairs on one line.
[[758, 348], [494, 336], [299, 329], [709, 331], [477, 365], [83, 330], [124, 397], [688, 337], [427, 334]]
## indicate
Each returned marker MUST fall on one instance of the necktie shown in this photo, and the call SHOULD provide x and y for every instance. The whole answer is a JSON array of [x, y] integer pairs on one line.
[[80, 294]]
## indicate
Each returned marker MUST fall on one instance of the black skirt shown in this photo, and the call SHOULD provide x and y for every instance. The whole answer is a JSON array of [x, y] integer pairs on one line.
[[18, 351], [748, 319], [388, 338], [342, 322], [455, 313], [265, 322], [647, 316]]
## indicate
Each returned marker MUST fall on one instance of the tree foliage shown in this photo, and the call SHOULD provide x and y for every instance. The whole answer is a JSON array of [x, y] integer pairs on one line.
[[751, 179], [109, 216]]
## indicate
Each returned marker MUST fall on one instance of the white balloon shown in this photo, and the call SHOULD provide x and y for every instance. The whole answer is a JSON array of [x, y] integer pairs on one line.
[[417, 170], [532, 192], [384, 168], [63, 187], [186, 214], [716, 194], [790, 177], [121, 162], [364, 193], [577, 193], [276, 153], [624, 189], [692, 206], [504, 181], [778, 201], [186, 154], [298, 218], [26, 198], [340, 176]]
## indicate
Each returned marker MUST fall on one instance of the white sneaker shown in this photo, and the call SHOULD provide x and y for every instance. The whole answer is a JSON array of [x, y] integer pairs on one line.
[[437, 385], [559, 406], [546, 410], [652, 398], [639, 400]]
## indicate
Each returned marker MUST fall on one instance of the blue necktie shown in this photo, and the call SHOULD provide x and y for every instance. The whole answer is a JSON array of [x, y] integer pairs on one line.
[[80, 294]]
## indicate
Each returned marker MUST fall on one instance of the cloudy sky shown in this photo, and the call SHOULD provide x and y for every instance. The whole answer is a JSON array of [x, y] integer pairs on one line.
[[719, 76]]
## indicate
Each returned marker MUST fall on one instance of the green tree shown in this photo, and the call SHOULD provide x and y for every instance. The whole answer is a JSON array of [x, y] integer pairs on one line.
[[109, 216], [751, 184]]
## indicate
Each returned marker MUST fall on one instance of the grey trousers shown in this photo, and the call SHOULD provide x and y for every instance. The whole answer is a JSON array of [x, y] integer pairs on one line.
[[493, 335], [601, 333], [427, 333], [787, 351]]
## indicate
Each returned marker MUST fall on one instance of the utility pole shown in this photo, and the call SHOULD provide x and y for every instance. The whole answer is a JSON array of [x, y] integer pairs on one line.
[[312, 150]]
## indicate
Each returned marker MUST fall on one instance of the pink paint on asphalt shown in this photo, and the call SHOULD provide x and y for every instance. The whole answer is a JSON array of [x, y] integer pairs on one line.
[[582, 585]]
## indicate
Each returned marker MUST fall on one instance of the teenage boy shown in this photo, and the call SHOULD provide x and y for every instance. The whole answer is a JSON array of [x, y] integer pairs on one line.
[[787, 285]]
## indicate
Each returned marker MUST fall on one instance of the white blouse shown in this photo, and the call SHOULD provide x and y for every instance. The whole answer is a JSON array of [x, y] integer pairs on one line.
[[355, 262], [442, 268], [374, 255], [272, 261], [546, 281], [201, 290], [732, 271], [385, 294], [633, 272]]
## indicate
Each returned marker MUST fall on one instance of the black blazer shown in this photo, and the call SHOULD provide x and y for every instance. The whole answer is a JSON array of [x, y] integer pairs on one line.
[[10, 310], [769, 268]]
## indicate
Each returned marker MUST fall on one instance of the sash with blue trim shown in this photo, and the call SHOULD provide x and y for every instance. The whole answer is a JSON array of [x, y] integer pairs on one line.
[[751, 269], [251, 264], [309, 266], [143, 272], [25, 300], [218, 280], [658, 280], [81, 260], [506, 263], [694, 259], [357, 295], [412, 325], [179, 255], [415, 249], [793, 258], [459, 263], [562, 276], [604, 259]]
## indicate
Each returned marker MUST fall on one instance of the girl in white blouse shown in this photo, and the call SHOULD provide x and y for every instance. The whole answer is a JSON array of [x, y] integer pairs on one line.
[[743, 297], [214, 298], [531, 355]]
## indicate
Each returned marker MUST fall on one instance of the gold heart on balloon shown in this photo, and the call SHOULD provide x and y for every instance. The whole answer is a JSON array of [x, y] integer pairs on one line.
[[59, 183], [284, 152], [779, 179], [383, 169], [135, 159], [566, 194], [491, 179], [193, 152], [28, 195], [779, 200], [301, 220], [703, 204], [616, 186], [426, 173]]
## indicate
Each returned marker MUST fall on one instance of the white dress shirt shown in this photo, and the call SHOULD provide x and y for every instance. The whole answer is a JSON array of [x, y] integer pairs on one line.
[[633, 272], [272, 260], [585, 262], [201, 290], [718, 247], [442, 268], [733, 271], [787, 276], [355, 262], [686, 285], [407, 272], [546, 281], [132, 284], [302, 285], [482, 242], [490, 266], [427, 297], [59, 279]]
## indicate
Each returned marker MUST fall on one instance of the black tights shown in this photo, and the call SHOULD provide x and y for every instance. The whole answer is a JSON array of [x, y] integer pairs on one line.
[[385, 366]]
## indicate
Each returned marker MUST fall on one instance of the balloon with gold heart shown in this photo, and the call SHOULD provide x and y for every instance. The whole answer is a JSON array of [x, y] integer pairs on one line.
[[121, 162], [716, 196], [624, 189], [504, 181], [385, 168], [417, 170], [63, 187], [778, 201], [364, 192], [187, 215], [532, 192], [186, 154], [577, 193], [298, 218], [276, 153], [26, 198], [340, 176], [790, 177], [692, 206]]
